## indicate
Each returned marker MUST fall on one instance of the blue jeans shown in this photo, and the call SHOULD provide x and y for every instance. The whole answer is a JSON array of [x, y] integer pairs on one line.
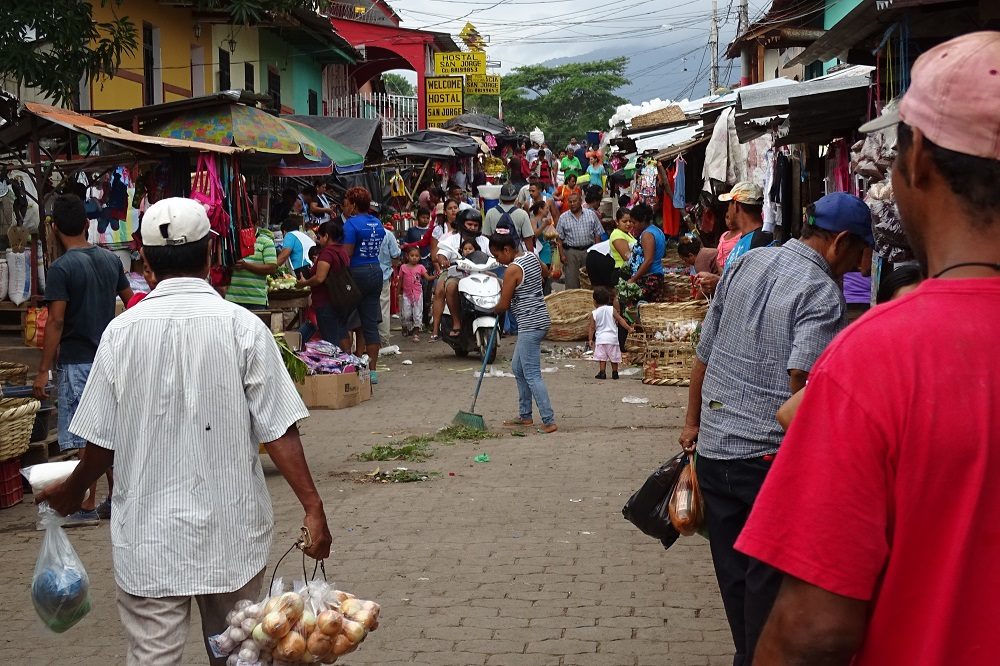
[[527, 366], [332, 326], [72, 379], [369, 281]]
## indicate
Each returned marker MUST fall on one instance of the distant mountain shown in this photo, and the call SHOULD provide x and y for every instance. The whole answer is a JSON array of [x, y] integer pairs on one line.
[[662, 68]]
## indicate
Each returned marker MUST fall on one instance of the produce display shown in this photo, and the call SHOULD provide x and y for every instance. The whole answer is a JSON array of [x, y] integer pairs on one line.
[[679, 331], [281, 282], [316, 624]]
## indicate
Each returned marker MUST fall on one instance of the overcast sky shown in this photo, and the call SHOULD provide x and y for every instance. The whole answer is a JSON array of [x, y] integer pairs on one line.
[[523, 32]]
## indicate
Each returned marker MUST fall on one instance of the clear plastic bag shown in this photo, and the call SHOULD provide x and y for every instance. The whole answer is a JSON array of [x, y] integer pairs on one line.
[[60, 588], [309, 623], [687, 511]]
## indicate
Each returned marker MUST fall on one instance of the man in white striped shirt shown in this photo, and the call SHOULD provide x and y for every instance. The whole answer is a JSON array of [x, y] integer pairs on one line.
[[183, 388]]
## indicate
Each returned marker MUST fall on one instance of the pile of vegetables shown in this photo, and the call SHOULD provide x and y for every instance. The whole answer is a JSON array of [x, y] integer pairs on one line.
[[679, 331], [281, 282], [296, 367], [316, 624]]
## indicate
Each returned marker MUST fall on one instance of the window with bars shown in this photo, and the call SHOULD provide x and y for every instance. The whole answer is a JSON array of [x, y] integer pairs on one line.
[[148, 66], [313, 103], [250, 76]]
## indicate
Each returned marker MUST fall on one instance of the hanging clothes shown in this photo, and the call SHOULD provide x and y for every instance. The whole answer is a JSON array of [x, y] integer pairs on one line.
[[671, 215], [770, 209], [680, 182]]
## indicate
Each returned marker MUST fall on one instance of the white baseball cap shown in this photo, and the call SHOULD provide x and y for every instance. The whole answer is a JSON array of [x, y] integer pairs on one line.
[[174, 221]]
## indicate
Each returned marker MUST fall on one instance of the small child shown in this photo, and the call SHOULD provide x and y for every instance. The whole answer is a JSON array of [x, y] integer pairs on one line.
[[468, 247], [410, 275], [603, 333]]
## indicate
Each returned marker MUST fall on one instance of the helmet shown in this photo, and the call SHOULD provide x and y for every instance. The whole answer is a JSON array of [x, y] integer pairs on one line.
[[471, 214]]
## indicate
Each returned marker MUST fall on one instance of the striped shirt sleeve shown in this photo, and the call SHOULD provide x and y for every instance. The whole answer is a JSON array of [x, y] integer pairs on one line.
[[97, 415], [274, 403]]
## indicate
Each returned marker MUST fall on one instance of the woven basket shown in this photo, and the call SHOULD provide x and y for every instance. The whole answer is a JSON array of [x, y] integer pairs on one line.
[[655, 316], [672, 258], [676, 288], [635, 343], [17, 416], [13, 373], [668, 363], [585, 280], [570, 313]]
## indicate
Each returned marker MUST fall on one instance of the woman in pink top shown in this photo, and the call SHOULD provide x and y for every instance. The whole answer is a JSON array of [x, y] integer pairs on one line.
[[727, 242]]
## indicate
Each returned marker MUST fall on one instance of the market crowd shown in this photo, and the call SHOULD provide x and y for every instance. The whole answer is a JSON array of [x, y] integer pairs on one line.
[[822, 449]]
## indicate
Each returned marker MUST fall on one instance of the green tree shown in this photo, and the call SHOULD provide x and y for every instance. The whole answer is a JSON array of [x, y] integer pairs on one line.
[[54, 44], [396, 84], [563, 101]]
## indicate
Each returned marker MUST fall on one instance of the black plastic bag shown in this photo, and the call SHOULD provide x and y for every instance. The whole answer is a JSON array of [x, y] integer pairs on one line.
[[647, 509]]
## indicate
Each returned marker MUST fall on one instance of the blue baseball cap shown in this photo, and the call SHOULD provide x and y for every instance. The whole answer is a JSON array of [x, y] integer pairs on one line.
[[841, 211]]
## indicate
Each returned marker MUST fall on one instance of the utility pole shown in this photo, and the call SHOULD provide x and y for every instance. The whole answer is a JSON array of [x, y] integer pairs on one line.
[[744, 25], [713, 42]]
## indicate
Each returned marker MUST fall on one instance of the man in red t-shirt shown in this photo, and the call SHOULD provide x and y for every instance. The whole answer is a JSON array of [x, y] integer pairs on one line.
[[883, 505]]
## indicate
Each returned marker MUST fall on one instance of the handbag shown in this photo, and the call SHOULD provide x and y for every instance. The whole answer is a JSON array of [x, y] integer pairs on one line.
[[647, 508], [345, 296], [206, 189], [247, 235]]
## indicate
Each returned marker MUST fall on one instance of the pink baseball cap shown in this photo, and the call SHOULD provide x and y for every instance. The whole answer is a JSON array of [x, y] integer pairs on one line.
[[953, 97]]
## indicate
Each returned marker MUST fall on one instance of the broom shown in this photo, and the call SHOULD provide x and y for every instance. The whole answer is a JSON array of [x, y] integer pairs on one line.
[[470, 419]]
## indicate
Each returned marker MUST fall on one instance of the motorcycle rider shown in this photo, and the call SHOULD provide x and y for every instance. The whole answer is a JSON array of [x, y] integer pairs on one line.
[[449, 251]]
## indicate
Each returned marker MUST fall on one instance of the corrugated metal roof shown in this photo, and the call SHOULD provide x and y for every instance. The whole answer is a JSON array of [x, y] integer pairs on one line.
[[765, 102]]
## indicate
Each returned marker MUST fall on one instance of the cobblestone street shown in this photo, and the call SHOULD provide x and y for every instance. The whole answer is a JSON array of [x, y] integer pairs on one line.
[[522, 560]]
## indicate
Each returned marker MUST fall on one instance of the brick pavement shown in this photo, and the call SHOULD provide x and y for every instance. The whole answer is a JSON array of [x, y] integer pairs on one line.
[[523, 560]]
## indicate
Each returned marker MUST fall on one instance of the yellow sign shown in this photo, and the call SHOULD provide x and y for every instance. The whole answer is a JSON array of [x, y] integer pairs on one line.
[[459, 62], [476, 84], [471, 37], [444, 97]]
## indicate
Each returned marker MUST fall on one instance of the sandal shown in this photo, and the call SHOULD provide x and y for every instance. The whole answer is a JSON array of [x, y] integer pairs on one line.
[[454, 333], [434, 338], [416, 338], [518, 423]]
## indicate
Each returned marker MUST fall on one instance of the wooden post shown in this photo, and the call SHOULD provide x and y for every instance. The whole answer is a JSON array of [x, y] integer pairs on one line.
[[416, 185]]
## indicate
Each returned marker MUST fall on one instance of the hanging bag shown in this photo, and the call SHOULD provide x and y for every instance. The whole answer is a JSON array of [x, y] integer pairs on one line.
[[648, 510], [247, 233], [345, 297], [687, 511], [206, 188]]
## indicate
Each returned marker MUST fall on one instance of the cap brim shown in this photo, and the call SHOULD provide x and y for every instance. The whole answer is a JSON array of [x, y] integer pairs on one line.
[[885, 121], [726, 196]]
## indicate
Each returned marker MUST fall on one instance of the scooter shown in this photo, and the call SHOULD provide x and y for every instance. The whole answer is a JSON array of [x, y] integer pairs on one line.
[[478, 294]]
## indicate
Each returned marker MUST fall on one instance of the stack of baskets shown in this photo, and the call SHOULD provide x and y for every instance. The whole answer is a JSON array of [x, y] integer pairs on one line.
[[585, 280], [665, 363], [570, 313], [17, 416]]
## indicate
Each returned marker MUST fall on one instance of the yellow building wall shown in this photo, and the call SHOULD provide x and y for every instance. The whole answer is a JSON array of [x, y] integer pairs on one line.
[[173, 57], [247, 50]]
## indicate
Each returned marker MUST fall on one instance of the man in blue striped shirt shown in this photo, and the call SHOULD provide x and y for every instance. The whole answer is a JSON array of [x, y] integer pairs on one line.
[[774, 312]]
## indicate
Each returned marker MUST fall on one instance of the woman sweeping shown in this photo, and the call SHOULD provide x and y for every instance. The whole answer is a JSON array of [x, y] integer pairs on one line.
[[522, 294]]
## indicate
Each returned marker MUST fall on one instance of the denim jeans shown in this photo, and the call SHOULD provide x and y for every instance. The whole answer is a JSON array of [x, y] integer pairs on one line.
[[369, 281], [72, 379], [527, 366]]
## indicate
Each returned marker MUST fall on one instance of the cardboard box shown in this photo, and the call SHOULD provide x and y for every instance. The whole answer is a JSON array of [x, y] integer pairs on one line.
[[335, 391]]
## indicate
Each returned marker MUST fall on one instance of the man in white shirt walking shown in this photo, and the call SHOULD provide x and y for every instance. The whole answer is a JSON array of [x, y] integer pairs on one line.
[[180, 414]]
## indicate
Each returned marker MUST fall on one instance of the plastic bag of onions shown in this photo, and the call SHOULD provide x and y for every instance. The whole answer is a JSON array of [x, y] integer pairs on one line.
[[314, 623]]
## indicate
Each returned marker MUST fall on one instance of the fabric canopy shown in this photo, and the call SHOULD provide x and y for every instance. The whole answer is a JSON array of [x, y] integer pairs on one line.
[[237, 125], [477, 122], [430, 144], [361, 135], [336, 155]]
